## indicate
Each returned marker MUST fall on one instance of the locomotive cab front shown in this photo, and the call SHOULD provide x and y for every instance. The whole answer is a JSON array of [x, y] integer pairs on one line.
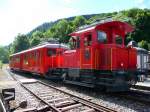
[[116, 61]]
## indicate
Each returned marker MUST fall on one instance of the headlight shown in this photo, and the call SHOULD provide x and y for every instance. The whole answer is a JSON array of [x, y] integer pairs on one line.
[[121, 64]]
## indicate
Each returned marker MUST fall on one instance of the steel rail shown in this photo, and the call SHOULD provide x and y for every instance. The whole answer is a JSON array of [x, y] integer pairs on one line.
[[52, 107], [95, 106], [141, 87]]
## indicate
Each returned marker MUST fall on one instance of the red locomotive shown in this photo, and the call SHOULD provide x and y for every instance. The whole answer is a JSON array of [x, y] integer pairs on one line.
[[98, 58]]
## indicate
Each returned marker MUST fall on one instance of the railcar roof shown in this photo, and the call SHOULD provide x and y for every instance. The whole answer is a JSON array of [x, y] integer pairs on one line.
[[105, 24], [140, 49], [43, 46]]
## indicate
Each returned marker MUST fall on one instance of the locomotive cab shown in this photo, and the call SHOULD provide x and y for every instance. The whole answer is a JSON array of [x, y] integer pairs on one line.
[[99, 56]]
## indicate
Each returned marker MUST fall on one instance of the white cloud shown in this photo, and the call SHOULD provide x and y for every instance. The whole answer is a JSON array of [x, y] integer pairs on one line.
[[140, 1], [21, 16], [68, 1]]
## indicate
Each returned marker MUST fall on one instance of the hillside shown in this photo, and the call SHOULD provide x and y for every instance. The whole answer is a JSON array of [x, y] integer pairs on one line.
[[45, 26], [139, 18]]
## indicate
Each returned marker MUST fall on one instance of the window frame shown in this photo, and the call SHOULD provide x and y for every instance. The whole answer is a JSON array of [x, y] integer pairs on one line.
[[53, 52], [98, 37]]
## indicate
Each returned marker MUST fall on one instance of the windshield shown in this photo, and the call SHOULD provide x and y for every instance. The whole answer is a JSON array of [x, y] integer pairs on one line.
[[118, 40], [101, 36]]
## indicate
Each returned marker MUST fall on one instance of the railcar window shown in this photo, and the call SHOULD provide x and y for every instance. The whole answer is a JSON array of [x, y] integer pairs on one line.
[[25, 59], [59, 52], [37, 55], [102, 37], [31, 55], [51, 52], [118, 40], [87, 40], [17, 59], [34, 55], [78, 42]]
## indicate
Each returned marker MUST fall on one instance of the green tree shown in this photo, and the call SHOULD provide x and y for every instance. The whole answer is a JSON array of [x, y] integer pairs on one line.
[[36, 38], [142, 25], [4, 51], [60, 31], [143, 44], [79, 21], [20, 43]]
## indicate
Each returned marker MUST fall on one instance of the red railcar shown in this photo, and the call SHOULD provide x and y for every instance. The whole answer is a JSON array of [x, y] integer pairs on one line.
[[98, 58], [40, 59]]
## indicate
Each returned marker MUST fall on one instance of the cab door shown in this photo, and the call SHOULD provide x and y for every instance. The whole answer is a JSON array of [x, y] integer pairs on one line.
[[86, 52]]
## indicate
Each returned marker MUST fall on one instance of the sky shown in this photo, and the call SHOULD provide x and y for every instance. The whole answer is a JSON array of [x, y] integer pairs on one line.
[[21, 16]]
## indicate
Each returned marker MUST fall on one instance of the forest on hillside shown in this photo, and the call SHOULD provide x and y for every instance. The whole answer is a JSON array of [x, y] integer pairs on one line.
[[139, 18]]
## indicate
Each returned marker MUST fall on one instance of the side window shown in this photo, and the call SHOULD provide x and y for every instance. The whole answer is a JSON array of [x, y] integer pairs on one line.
[[17, 59], [25, 59], [78, 42], [74, 42], [34, 55], [51, 52], [118, 40], [102, 37], [30, 55], [88, 40], [37, 55]]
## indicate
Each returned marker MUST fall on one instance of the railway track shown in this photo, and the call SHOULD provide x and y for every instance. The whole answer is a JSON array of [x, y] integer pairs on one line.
[[57, 100], [144, 88], [135, 95]]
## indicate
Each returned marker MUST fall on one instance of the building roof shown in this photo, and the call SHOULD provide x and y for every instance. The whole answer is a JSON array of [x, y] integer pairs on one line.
[[141, 49]]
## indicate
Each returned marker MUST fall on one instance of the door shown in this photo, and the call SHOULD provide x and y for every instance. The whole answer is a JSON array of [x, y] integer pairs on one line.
[[52, 57], [86, 52]]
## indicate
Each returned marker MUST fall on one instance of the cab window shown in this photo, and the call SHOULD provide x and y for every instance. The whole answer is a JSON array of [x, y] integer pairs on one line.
[[74, 42], [88, 40], [102, 37], [51, 52], [78, 43], [118, 40]]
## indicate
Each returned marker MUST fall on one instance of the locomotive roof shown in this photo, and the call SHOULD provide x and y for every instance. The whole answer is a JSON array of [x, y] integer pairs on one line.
[[43, 46], [106, 25]]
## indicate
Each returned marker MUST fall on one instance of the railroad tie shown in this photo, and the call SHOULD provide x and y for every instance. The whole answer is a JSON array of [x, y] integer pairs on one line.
[[58, 99], [70, 107], [64, 103], [88, 110]]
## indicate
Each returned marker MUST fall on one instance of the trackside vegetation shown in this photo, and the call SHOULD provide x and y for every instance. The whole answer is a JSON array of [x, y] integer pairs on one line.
[[139, 18]]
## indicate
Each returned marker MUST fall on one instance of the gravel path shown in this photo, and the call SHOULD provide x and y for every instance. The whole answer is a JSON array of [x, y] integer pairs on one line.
[[20, 93]]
